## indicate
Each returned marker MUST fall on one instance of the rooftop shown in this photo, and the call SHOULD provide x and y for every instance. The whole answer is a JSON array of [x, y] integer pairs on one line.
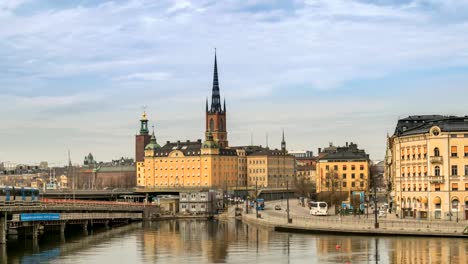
[[421, 124]]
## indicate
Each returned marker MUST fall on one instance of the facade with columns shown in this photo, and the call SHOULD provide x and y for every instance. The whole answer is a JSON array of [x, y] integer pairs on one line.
[[427, 167], [211, 163]]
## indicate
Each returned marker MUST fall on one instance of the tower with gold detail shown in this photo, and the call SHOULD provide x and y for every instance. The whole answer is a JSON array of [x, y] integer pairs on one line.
[[142, 139], [216, 114]]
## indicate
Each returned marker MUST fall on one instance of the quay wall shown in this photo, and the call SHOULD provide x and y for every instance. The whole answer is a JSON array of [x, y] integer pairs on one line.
[[350, 226]]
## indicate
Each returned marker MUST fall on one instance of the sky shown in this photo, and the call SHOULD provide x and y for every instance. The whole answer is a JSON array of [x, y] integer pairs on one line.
[[76, 75]]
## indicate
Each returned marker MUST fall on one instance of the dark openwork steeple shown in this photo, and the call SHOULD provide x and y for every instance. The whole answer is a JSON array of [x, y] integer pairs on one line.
[[216, 115], [215, 98], [283, 144]]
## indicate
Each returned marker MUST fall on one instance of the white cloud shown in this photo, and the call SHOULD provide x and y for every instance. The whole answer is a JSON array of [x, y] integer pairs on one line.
[[144, 76], [321, 45]]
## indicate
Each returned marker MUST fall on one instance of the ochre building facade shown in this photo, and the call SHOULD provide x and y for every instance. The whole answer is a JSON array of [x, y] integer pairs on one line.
[[211, 163], [427, 167]]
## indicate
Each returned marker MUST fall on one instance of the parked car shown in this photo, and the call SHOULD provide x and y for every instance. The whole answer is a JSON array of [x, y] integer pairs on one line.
[[277, 207]]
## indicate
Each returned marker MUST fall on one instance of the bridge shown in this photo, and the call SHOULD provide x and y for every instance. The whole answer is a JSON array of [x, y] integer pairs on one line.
[[54, 215], [106, 195]]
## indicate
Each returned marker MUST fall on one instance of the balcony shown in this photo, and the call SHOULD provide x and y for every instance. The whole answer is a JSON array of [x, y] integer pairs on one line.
[[436, 160], [436, 179]]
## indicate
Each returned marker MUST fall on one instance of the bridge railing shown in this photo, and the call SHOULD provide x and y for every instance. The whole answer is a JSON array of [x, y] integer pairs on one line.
[[46, 202], [87, 203]]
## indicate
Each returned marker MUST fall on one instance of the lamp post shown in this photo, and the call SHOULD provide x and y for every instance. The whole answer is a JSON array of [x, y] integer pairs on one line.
[[287, 200], [376, 223], [256, 198], [456, 204]]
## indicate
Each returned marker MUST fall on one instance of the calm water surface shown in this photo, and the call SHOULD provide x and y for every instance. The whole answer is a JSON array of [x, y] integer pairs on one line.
[[227, 242]]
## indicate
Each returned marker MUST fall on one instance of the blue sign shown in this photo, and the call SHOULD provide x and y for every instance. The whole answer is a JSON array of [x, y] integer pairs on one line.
[[40, 217]]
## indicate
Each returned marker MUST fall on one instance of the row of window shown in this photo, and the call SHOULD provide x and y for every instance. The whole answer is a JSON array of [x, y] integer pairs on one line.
[[344, 167], [193, 206], [353, 176], [418, 156], [345, 184], [454, 171], [454, 187]]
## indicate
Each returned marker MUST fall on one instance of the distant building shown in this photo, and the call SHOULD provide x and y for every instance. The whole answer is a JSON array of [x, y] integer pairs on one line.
[[342, 169], [301, 153], [207, 202], [168, 203], [213, 163], [43, 165], [426, 167]]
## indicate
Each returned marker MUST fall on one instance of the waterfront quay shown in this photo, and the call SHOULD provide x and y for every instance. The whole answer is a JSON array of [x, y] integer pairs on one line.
[[53, 215], [300, 221]]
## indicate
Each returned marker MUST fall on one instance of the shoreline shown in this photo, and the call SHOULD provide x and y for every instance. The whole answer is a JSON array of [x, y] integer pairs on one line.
[[365, 230]]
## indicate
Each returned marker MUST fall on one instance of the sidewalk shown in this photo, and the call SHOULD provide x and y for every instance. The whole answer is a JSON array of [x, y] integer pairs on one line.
[[302, 221]]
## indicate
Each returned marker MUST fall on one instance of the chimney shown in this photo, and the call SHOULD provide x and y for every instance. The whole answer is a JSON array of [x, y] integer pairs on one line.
[[346, 144], [319, 151]]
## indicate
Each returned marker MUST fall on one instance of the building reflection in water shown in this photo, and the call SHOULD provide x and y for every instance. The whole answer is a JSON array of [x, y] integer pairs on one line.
[[234, 241], [229, 242]]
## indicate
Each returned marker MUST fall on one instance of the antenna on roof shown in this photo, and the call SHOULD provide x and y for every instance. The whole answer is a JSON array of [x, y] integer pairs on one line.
[[251, 139], [267, 139]]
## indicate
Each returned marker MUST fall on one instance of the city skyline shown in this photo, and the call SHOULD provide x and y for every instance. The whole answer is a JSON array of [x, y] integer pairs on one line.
[[77, 75]]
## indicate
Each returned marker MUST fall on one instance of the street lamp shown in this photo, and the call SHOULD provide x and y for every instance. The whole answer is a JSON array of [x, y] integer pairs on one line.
[[456, 205], [376, 223]]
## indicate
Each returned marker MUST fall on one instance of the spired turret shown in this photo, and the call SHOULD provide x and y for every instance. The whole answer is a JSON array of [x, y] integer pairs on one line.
[[209, 142], [153, 145]]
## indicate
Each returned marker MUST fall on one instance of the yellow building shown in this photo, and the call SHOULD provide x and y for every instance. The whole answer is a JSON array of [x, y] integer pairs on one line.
[[212, 163], [193, 164], [343, 169], [427, 166]]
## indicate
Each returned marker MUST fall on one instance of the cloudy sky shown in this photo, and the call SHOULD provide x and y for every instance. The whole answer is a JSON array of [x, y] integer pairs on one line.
[[76, 74]]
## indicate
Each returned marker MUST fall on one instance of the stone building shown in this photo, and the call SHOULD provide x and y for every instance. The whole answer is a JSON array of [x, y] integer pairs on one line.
[[343, 169], [427, 167], [212, 163]]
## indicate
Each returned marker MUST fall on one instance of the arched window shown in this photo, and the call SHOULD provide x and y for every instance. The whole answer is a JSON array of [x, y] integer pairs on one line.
[[436, 152], [455, 203], [437, 171], [211, 124], [221, 126]]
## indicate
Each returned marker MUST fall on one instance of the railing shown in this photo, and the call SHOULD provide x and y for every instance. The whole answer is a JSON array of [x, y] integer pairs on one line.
[[74, 204], [436, 159], [353, 223], [436, 179]]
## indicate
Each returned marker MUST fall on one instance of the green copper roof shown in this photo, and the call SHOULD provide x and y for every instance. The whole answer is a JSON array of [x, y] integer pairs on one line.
[[209, 142], [153, 145]]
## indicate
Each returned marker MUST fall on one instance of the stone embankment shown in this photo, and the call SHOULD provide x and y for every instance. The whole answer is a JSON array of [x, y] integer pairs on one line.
[[350, 225]]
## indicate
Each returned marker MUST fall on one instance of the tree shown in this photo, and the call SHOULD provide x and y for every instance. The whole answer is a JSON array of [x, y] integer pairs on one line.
[[331, 192]]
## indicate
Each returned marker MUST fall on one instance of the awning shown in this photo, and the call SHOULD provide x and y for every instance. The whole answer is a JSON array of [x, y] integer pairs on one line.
[[424, 200], [437, 200]]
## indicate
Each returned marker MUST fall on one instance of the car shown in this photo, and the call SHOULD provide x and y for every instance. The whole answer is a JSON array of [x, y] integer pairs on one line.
[[277, 207]]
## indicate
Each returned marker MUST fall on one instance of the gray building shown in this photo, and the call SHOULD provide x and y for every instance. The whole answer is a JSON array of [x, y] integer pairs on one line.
[[203, 202]]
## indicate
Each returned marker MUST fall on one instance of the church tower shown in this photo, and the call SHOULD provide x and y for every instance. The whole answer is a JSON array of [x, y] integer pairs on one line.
[[216, 115], [142, 139]]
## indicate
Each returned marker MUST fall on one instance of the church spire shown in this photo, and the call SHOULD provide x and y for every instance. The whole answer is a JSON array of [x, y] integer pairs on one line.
[[283, 144], [215, 98]]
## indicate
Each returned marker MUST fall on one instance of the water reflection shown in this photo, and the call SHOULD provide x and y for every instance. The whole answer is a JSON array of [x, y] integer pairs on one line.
[[229, 242]]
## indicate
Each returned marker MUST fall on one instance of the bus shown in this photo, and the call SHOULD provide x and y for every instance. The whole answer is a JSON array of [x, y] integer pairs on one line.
[[260, 204], [318, 208]]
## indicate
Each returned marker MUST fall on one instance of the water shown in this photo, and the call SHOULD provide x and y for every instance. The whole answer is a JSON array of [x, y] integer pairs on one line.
[[227, 242]]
